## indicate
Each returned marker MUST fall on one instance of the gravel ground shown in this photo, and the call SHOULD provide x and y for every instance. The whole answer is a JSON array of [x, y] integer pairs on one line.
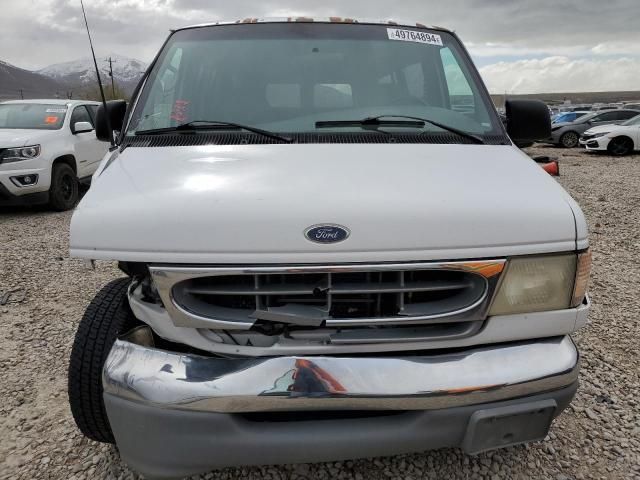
[[597, 437]]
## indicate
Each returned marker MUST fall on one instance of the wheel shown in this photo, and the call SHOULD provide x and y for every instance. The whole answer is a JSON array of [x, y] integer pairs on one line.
[[569, 140], [620, 146], [107, 316], [63, 193]]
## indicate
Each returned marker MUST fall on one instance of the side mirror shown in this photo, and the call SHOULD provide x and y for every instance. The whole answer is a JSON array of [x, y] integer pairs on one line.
[[112, 117], [82, 127], [527, 120]]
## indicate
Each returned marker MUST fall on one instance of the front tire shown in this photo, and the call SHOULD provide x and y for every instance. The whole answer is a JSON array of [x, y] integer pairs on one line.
[[63, 193], [107, 316], [569, 140], [620, 146]]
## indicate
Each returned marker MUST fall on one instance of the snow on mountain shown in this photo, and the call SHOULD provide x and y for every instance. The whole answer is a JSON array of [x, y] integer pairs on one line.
[[82, 70]]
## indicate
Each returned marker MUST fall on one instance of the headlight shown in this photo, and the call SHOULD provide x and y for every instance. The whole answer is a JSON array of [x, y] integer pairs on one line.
[[600, 134], [536, 284], [18, 154]]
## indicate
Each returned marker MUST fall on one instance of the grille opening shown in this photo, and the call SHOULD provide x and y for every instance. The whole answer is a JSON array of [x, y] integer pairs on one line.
[[332, 298]]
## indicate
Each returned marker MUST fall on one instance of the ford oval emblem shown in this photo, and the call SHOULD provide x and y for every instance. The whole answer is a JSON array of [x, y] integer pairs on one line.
[[326, 233]]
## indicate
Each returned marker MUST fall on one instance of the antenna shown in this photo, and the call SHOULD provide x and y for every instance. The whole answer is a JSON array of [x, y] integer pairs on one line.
[[95, 64]]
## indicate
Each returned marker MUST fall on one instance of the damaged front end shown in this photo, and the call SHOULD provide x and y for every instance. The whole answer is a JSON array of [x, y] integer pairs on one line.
[[262, 311]]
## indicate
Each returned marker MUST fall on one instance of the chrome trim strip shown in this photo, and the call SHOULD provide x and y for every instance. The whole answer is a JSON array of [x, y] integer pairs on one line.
[[213, 384], [166, 276]]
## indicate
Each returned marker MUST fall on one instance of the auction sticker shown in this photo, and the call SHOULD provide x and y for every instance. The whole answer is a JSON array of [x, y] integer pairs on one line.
[[414, 36]]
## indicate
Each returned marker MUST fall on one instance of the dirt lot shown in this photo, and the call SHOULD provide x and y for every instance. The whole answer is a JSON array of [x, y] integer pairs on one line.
[[598, 437]]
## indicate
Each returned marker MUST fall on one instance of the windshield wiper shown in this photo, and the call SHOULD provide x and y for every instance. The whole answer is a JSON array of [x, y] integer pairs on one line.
[[213, 125], [409, 121]]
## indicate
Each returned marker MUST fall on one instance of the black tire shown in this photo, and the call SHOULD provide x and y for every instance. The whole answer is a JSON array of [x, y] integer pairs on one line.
[[620, 146], [569, 139], [63, 193], [107, 316]]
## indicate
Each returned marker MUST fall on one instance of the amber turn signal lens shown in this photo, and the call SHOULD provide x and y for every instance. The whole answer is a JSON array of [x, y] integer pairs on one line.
[[583, 269]]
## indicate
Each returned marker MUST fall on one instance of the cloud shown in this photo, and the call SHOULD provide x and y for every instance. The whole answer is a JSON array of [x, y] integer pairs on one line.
[[562, 74], [36, 33]]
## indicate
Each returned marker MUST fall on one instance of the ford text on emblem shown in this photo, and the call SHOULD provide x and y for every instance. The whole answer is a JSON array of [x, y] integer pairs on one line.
[[326, 233]]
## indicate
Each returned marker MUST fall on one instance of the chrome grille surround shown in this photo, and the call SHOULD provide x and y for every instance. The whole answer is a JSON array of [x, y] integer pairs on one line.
[[182, 289]]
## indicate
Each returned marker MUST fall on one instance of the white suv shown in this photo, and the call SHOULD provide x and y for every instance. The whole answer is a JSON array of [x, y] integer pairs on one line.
[[46, 148]]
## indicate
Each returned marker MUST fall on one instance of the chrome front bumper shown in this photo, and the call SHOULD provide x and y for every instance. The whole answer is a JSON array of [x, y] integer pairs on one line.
[[153, 377]]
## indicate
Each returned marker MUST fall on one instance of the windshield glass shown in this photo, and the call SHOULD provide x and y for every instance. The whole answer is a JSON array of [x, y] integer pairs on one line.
[[286, 77], [565, 117], [632, 121], [32, 116]]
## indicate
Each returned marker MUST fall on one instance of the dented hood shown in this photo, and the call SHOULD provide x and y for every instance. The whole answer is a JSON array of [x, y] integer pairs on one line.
[[253, 203]]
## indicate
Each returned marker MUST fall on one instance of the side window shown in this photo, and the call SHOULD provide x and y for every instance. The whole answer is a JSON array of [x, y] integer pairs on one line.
[[460, 94], [80, 114], [606, 117], [332, 95], [626, 115], [414, 76], [164, 104], [93, 109]]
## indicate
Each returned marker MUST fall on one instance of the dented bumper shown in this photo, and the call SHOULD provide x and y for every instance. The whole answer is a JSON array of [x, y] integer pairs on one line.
[[175, 415], [487, 374]]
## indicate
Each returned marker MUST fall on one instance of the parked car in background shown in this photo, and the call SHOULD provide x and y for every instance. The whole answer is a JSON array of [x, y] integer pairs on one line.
[[633, 106], [575, 108], [567, 134], [568, 117], [46, 148], [616, 139]]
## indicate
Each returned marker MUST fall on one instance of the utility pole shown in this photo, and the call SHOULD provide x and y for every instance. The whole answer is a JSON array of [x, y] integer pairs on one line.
[[113, 86]]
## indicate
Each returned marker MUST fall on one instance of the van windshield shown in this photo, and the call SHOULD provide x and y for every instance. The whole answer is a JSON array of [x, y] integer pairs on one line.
[[289, 77]]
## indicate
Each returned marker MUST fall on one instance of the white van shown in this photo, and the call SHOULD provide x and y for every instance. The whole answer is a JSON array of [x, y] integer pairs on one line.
[[332, 250]]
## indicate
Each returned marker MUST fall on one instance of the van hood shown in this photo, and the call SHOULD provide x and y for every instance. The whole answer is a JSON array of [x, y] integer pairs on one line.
[[253, 204], [12, 137]]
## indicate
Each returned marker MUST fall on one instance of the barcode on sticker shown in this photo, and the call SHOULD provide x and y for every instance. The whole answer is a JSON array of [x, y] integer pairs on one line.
[[56, 110], [414, 36]]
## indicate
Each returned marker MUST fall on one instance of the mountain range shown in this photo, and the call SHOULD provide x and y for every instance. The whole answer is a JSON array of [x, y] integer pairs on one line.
[[75, 78]]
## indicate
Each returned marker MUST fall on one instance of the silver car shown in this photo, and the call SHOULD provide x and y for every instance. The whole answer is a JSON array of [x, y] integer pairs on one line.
[[567, 134]]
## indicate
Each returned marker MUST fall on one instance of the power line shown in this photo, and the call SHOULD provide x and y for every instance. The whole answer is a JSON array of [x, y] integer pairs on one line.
[[113, 86]]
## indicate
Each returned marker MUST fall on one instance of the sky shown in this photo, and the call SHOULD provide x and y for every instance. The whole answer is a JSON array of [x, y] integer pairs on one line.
[[519, 46]]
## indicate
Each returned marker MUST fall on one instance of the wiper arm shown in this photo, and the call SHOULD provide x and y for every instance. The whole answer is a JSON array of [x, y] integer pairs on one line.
[[213, 125], [409, 121]]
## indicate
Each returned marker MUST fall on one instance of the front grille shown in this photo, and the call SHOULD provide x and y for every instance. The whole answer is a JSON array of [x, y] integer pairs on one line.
[[316, 299], [343, 297]]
